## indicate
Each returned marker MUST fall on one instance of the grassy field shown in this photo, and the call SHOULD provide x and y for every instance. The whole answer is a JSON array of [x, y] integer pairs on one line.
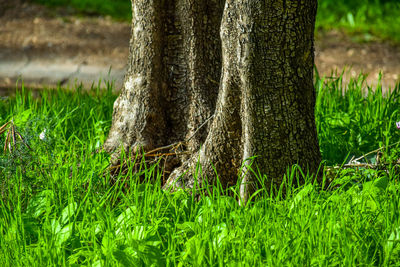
[[365, 19], [57, 206], [118, 9]]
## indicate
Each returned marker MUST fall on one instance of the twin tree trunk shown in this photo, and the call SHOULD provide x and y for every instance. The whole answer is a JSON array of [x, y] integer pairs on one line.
[[246, 64]]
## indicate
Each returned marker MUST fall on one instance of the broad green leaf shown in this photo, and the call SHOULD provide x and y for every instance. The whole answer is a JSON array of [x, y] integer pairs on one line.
[[40, 203], [220, 234], [125, 220], [64, 234], [55, 226], [127, 217], [382, 183], [97, 263], [139, 232], [98, 228], [152, 256], [195, 251], [68, 212], [147, 234], [187, 227], [125, 258], [376, 188]]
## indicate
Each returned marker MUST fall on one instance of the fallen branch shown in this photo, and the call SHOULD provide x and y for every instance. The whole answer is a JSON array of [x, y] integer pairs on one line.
[[374, 151]]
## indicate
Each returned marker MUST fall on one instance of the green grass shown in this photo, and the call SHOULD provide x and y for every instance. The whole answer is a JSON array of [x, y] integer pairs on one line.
[[356, 119], [117, 9], [364, 19], [57, 206]]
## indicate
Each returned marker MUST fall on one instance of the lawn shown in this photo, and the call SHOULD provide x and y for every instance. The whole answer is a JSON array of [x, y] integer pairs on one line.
[[366, 20], [60, 206], [117, 9]]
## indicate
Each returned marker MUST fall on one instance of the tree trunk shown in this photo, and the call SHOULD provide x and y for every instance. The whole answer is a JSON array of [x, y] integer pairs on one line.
[[171, 85], [266, 98]]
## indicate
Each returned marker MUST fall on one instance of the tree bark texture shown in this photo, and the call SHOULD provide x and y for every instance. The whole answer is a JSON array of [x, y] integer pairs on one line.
[[172, 82], [257, 56]]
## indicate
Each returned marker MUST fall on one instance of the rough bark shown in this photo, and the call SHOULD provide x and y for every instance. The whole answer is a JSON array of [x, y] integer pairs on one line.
[[265, 105], [278, 96], [172, 82], [138, 116]]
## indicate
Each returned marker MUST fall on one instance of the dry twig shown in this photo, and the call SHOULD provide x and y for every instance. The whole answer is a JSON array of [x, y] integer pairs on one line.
[[166, 153], [11, 137]]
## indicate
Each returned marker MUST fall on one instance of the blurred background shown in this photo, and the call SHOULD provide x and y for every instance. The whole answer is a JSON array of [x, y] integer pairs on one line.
[[50, 42]]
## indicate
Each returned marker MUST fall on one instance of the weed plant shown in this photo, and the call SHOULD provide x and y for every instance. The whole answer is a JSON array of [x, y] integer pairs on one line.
[[59, 209]]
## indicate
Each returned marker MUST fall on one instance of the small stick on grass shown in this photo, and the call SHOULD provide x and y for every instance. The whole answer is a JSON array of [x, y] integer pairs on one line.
[[13, 135], [7, 142], [162, 148], [3, 128], [375, 151], [23, 140]]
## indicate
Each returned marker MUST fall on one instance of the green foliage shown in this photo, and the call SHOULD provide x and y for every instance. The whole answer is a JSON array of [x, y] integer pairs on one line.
[[364, 19], [118, 9], [58, 206], [356, 119]]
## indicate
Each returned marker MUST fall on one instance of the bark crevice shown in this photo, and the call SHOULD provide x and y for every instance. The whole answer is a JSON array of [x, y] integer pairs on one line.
[[250, 63]]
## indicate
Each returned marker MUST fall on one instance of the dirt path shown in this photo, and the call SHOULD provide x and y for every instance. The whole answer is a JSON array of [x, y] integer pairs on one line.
[[46, 47], [336, 51]]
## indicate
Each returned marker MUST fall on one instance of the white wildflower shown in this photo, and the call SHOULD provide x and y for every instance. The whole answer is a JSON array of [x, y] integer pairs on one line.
[[42, 135]]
